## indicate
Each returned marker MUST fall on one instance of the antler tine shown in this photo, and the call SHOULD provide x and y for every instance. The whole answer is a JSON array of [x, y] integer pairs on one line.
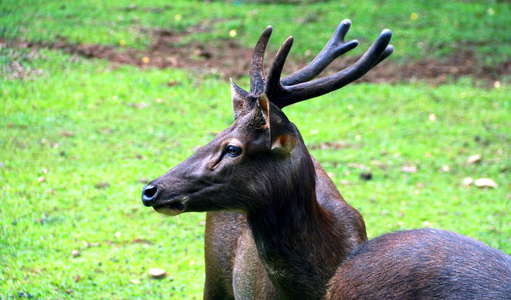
[[286, 95], [257, 80], [335, 47], [273, 81], [388, 51]]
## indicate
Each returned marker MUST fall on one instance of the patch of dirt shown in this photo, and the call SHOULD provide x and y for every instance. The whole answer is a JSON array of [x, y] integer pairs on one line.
[[228, 58]]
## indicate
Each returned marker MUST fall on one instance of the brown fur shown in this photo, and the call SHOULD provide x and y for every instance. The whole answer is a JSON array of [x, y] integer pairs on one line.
[[423, 264]]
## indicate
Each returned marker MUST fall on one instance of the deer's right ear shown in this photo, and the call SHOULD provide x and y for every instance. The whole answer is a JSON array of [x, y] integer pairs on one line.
[[282, 137], [238, 99]]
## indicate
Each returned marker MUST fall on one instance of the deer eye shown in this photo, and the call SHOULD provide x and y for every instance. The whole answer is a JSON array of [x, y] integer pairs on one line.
[[233, 151]]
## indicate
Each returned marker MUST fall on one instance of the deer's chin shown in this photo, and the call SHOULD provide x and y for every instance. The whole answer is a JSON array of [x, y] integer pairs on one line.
[[170, 209]]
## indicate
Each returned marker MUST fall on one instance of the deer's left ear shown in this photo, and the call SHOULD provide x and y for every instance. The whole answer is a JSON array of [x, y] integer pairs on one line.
[[282, 135], [238, 99]]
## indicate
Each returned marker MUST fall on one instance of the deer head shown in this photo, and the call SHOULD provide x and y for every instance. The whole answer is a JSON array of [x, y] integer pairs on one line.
[[232, 170], [228, 172]]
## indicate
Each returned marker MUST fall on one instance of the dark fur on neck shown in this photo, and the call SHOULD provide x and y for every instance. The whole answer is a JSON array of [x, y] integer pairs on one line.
[[294, 236]]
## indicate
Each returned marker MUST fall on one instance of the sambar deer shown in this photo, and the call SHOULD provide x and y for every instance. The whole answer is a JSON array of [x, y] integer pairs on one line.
[[233, 266], [277, 228]]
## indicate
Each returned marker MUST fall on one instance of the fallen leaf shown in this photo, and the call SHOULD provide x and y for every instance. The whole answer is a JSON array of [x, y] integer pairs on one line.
[[106, 130], [77, 278], [134, 281], [444, 169], [409, 169], [467, 182], [101, 185], [485, 183], [157, 273], [75, 253], [140, 241], [41, 179], [472, 159], [66, 133]]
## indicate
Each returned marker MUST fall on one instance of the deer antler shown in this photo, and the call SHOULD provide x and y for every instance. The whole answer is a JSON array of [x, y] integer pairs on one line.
[[335, 47], [257, 80], [284, 92], [298, 86]]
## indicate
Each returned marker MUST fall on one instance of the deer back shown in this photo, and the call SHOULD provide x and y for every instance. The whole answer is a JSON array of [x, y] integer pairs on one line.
[[423, 264]]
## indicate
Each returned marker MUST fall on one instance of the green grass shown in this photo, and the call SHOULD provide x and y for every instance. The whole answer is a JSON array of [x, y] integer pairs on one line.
[[78, 136]]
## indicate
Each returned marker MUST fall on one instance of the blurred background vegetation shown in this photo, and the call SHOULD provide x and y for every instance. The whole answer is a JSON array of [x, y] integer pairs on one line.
[[98, 97]]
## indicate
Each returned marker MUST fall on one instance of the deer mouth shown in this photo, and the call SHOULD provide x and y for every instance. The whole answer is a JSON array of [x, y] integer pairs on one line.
[[170, 208]]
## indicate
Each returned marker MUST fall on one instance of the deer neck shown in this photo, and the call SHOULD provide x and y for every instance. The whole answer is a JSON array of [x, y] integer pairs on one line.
[[295, 237]]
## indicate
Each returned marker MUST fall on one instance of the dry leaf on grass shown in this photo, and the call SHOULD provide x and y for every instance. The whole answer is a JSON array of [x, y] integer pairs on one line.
[[472, 159], [409, 169], [75, 253], [157, 273], [485, 183], [467, 182]]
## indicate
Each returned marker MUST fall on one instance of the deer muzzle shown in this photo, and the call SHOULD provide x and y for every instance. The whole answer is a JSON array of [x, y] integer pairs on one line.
[[172, 206]]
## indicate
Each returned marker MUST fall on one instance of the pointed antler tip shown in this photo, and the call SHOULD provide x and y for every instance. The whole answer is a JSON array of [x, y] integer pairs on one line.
[[286, 46], [352, 44], [289, 40], [386, 32]]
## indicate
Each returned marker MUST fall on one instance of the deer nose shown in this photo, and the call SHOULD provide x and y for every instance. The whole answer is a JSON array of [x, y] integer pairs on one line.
[[149, 193]]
